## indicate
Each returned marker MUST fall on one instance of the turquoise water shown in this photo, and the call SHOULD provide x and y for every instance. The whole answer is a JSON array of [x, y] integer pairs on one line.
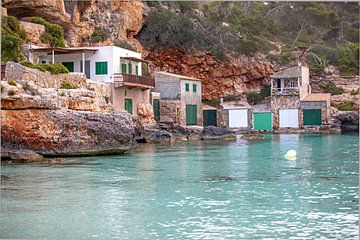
[[197, 190]]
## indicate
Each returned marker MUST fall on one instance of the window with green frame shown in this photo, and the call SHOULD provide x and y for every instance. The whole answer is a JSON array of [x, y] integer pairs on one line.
[[137, 70], [69, 66], [187, 87], [123, 68], [194, 87], [130, 68], [101, 68]]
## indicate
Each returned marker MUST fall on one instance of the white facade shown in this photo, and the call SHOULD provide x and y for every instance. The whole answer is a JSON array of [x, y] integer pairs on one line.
[[114, 56], [238, 118], [289, 118]]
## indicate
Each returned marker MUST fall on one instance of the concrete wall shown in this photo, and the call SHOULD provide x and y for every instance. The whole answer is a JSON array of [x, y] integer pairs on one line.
[[138, 96], [110, 54], [304, 82], [283, 102], [167, 86]]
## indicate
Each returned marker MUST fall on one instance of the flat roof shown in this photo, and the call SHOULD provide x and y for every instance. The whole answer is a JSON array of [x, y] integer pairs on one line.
[[177, 76], [64, 50], [317, 97], [135, 59]]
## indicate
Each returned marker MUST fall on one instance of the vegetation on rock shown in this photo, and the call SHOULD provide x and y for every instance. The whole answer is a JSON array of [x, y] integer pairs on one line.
[[354, 92], [11, 82], [253, 97], [13, 36], [54, 33], [346, 106], [333, 89], [67, 85], [99, 35], [11, 92], [55, 68], [320, 33]]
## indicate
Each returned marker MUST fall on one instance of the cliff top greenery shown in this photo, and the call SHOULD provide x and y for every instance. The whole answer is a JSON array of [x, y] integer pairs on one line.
[[320, 33]]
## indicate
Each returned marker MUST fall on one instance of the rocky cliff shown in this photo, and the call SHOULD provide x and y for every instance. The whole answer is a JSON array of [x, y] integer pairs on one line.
[[230, 76]]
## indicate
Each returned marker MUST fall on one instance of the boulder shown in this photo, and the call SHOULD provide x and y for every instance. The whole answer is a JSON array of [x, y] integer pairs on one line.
[[25, 156], [68, 133], [253, 137], [349, 121], [154, 134], [214, 133]]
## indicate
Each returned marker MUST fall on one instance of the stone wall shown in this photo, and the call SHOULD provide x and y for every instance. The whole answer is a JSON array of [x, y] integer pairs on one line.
[[171, 111], [284, 102]]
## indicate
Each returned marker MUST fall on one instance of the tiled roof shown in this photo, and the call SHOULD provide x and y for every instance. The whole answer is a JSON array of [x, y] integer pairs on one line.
[[317, 97], [288, 73], [177, 76]]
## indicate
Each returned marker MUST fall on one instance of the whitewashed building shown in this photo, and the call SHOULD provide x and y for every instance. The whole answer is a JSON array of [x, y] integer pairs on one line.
[[111, 64]]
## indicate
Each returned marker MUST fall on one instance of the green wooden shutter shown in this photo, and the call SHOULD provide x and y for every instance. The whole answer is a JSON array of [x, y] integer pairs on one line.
[[312, 117], [128, 105], [69, 66], [191, 114], [130, 68], [263, 121], [101, 68], [123, 68], [137, 70], [156, 107], [194, 87], [187, 88]]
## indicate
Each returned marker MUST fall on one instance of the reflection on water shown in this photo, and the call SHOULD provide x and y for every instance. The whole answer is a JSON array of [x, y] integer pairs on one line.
[[196, 190]]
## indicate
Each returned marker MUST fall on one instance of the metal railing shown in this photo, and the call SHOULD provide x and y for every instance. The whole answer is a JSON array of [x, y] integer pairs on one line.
[[128, 78], [285, 91]]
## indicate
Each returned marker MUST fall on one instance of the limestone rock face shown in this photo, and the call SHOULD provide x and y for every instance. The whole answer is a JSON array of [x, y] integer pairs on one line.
[[52, 10], [232, 76], [68, 133], [33, 31], [145, 113]]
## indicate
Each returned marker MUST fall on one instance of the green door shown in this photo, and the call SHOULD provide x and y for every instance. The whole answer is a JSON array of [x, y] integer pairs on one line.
[[69, 66], [263, 121], [123, 68], [128, 105], [156, 107], [312, 117], [191, 114], [209, 117]]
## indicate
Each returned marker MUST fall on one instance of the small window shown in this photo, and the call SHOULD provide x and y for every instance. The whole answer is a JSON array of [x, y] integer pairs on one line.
[[130, 68], [194, 87], [187, 87], [137, 70], [69, 66], [101, 68], [293, 83]]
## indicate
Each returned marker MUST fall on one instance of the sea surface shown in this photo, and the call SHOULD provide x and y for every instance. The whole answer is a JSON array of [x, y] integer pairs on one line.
[[195, 190]]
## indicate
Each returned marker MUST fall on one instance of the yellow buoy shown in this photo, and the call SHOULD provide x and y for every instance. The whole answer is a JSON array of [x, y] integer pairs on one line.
[[290, 155]]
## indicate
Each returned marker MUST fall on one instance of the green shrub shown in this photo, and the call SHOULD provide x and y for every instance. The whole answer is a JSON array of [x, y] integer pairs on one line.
[[106, 99], [99, 35], [11, 82], [55, 68], [253, 97], [54, 33], [213, 102], [11, 48], [67, 85], [1, 87], [346, 106], [26, 86], [354, 92], [333, 89], [265, 92], [11, 92], [27, 64]]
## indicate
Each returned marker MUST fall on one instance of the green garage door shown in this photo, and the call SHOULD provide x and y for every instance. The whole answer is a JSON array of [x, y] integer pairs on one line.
[[263, 121], [312, 117], [209, 117], [69, 66], [191, 113]]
